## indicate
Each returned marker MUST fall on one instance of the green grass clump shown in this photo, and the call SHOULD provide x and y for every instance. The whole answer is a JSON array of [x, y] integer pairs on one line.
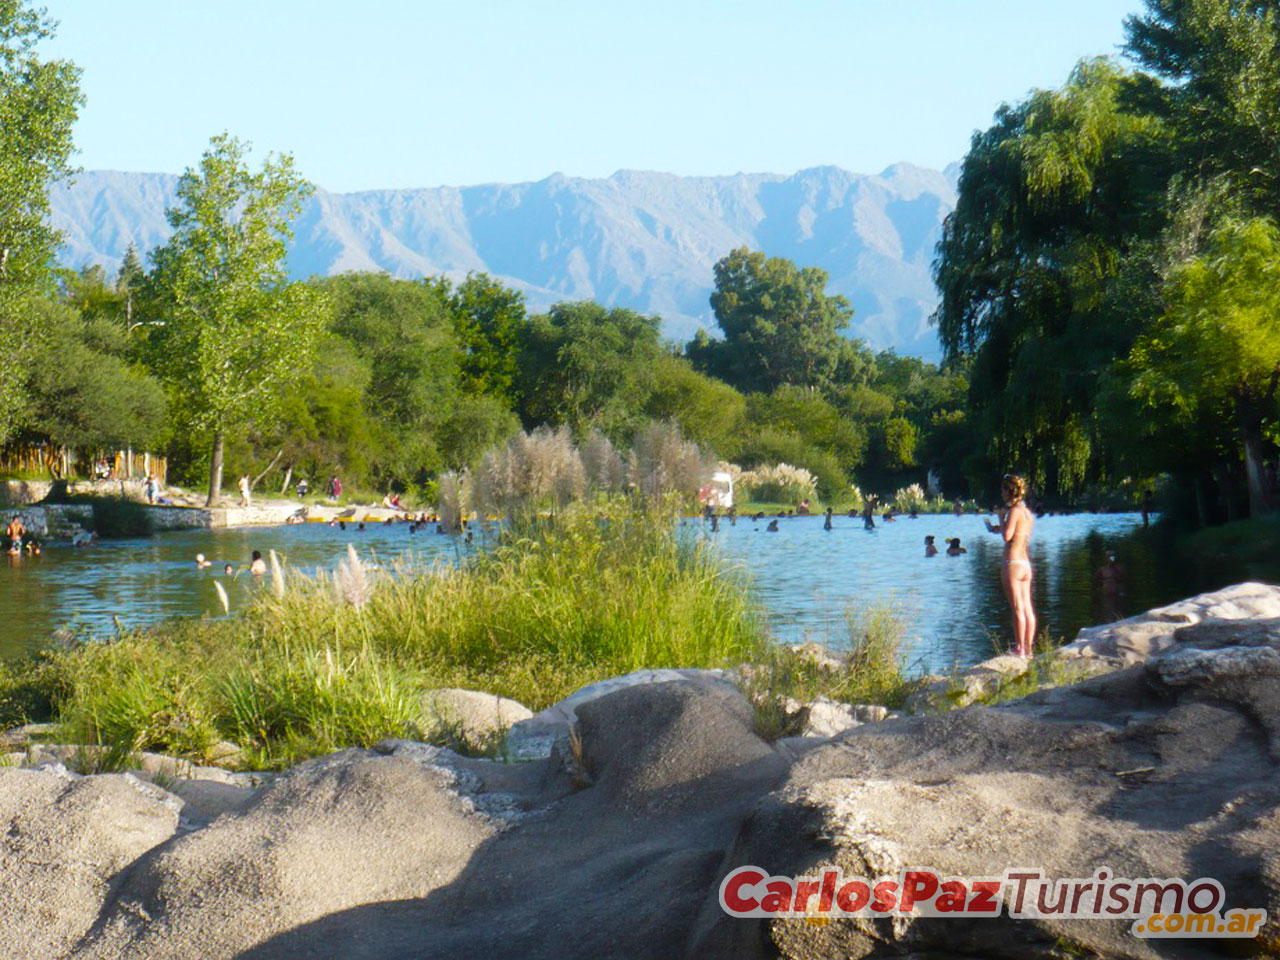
[[318, 664], [872, 671]]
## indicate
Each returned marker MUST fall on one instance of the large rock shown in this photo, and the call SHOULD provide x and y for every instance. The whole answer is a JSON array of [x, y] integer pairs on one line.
[[473, 716], [614, 869], [62, 840], [537, 736], [345, 830], [1171, 769], [1137, 639]]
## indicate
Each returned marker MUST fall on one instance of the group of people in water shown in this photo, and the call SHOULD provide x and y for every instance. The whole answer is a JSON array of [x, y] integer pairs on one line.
[[1014, 522]]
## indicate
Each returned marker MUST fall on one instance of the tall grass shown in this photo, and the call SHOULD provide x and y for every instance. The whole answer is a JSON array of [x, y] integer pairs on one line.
[[344, 659]]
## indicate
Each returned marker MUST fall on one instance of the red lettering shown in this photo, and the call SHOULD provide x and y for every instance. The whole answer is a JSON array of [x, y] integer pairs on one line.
[[733, 899], [804, 890], [828, 891], [886, 894], [953, 897], [853, 896], [1023, 879], [917, 886], [778, 898], [1118, 895], [984, 897]]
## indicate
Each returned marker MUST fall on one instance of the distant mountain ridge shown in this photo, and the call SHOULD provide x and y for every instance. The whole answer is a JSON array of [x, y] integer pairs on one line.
[[642, 240]]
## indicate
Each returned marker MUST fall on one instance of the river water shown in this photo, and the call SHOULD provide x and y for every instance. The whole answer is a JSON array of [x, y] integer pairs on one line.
[[806, 577]]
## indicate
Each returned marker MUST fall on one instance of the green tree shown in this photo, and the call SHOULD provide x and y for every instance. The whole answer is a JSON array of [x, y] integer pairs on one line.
[[710, 413], [233, 333], [83, 391], [1215, 351], [779, 325], [1220, 60], [488, 319], [586, 366], [1059, 202], [39, 102], [403, 330]]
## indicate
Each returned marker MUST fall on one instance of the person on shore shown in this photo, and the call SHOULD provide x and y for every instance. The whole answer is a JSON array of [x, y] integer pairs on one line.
[[954, 549], [803, 509], [826, 524], [303, 487], [957, 507], [1014, 526], [335, 488], [257, 566], [245, 490], [929, 549], [151, 488], [201, 562], [1146, 509]]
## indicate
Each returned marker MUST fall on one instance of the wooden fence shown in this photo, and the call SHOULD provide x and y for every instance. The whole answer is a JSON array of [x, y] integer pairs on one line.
[[64, 462]]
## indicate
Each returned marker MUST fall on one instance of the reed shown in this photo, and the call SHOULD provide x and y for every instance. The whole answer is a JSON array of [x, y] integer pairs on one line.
[[338, 660]]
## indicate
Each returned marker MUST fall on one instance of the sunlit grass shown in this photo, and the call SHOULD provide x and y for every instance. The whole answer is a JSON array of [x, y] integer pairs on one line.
[[327, 662]]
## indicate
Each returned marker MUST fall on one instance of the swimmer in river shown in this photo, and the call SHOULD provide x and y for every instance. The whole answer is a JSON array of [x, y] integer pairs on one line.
[[953, 547], [201, 562], [773, 526], [929, 549], [257, 565], [15, 531], [228, 570]]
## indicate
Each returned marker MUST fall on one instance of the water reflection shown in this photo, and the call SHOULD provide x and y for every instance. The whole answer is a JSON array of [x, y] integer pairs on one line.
[[807, 577]]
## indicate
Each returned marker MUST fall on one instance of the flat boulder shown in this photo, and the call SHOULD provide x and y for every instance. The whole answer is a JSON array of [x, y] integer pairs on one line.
[[1137, 639]]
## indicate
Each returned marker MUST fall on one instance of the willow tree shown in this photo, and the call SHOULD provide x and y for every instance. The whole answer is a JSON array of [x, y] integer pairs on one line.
[[1054, 201], [39, 102], [231, 334]]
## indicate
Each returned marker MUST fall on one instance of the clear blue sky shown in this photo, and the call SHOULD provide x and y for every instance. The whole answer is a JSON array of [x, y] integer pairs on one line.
[[405, 93]]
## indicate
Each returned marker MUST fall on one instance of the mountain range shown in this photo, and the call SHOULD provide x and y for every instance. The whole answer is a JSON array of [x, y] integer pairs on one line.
[[642, 240]]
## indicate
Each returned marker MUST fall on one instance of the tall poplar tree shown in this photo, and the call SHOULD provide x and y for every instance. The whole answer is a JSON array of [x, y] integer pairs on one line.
[[231, 334]]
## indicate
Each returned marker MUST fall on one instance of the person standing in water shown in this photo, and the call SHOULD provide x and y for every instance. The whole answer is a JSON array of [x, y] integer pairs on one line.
[[929, 549], [257, 566], [826, 525], [1014, 525]]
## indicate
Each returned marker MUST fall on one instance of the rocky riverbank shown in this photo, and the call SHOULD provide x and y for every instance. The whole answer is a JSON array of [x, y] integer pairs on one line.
[[645, 791]]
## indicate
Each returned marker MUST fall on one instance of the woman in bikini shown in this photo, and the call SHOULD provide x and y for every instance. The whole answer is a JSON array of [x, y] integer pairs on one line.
[[1015, 526]]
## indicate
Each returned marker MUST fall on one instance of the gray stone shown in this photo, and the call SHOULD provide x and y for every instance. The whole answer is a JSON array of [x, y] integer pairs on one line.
[[1137, 639], [476, 717], [536, 737], [65, 838]]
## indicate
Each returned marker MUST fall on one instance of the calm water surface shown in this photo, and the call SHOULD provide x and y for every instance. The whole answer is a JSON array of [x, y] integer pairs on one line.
[[806, 577]]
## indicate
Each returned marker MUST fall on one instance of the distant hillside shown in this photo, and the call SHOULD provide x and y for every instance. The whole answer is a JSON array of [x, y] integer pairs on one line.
[[642, 240]]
